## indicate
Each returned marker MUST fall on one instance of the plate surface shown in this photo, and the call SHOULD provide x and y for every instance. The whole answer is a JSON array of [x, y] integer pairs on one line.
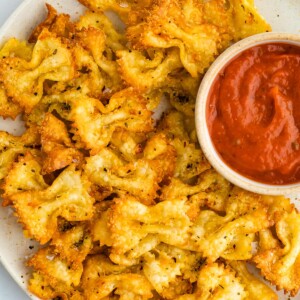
[[283, 15]]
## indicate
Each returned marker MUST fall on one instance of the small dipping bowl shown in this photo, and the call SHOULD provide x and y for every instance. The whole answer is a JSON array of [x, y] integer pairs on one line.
[[201, 114]]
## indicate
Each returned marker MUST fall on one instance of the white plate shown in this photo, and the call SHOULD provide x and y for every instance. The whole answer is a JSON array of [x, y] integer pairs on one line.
[[283, 15]]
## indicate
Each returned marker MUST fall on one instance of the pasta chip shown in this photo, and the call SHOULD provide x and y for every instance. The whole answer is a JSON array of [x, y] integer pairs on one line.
[[131, 222], [139, 178], [57, 146], [145, 73], [102, 279], [100, 6], [128, 144], [256, 289], [8, 109], [59, 24], [126, 109], [114, 40], [23, 80], [53, 276], [280, 265], [190, 160], [24, 175], [15, 48], [164, 264], [12, 146], [217, 282], [190, 26], [246, 19], [72, 242], [93, 40], [67, 197], [228, 236], [211, 190]]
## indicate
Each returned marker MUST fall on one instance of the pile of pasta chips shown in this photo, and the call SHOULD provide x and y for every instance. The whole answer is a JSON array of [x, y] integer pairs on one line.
[[125, 206]]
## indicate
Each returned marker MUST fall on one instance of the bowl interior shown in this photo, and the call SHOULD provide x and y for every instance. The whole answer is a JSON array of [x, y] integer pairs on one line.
[[200, 114]]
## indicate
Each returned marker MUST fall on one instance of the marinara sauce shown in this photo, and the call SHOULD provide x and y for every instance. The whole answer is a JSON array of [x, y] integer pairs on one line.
[[253, 113]]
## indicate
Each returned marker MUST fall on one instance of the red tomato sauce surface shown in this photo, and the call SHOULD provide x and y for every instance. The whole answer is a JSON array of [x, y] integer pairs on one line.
[[253, 113]]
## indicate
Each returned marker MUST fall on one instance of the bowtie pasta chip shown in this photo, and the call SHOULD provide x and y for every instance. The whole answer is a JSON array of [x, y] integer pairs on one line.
[[94, 41], [12, 48], [23, 80], [191, 27], [114, 39], [54, 277], [24, 175], [103, 5], [12, 146], [130, 222], [106, 169], [216, 236], [126, 109], [140, 178], [72, 241], [165, 264], [16, 48], [217, 282], [56, 145], [256, 289], [102, 279], [8, 109], [67, 197], [281, 264], [128, 144], [59, 24], [147, 73]]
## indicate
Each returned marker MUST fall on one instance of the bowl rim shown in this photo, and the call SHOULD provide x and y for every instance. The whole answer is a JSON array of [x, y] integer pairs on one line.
[[200, 114]]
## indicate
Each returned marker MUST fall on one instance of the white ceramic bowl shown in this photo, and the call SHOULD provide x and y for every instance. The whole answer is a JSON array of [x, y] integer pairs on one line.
[[200, 114]]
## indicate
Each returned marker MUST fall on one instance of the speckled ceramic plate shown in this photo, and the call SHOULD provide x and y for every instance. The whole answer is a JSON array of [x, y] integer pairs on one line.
[[283, 15]]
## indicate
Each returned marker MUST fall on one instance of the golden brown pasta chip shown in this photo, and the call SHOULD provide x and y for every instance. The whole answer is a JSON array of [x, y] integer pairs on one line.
[[67, 197], [57, 146], [281, 264], [23, 80]]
